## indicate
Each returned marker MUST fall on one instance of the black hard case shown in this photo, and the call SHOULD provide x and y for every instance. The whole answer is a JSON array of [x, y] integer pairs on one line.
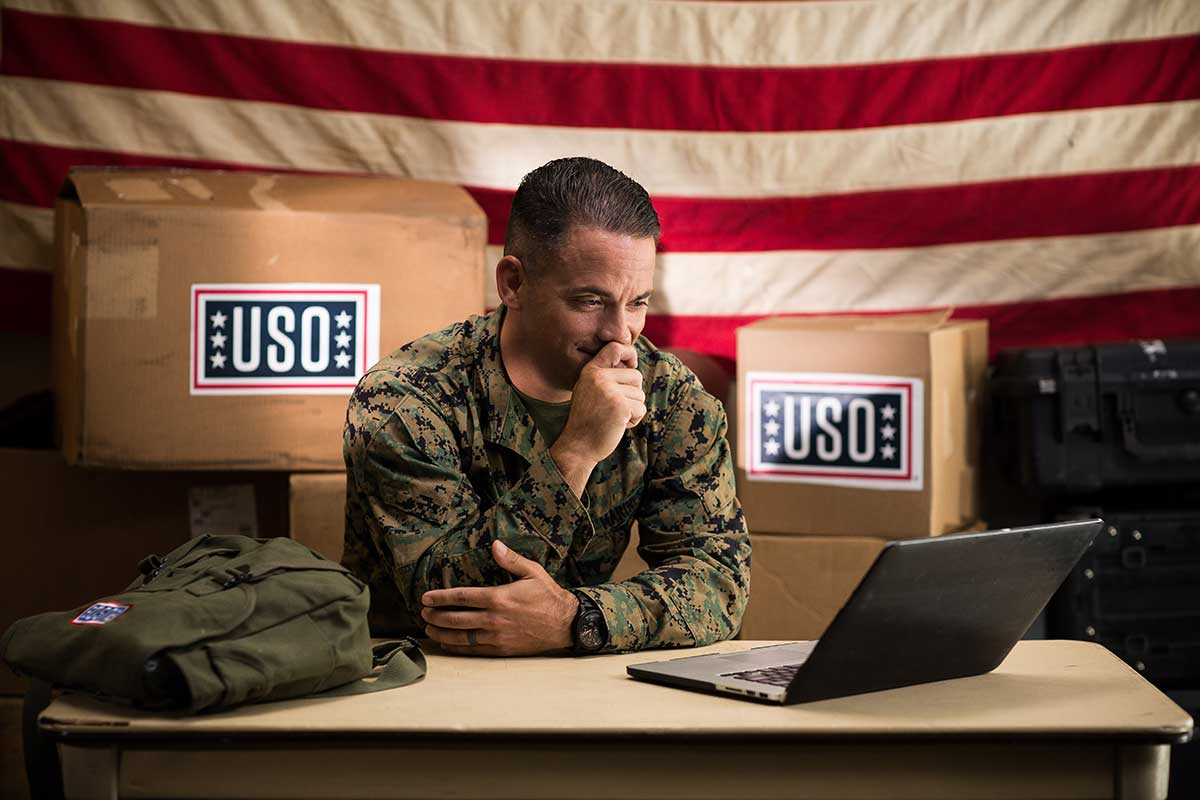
[[1080, 419], [1137, 592]]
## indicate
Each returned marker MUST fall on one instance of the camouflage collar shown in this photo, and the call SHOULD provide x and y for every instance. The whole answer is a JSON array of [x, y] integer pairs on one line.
[[509, 423]]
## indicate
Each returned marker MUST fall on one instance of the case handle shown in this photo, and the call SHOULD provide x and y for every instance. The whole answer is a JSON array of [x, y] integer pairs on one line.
[[1186, 451]]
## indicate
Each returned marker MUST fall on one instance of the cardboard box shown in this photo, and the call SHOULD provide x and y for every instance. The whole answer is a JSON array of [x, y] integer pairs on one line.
[[210, 320], [317, 511], [74, 535], [631, 563], [860, 426], [798, 583]]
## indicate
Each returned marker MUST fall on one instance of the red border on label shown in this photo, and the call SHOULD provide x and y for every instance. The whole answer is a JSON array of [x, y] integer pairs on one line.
[[196, 352], [856, 475]]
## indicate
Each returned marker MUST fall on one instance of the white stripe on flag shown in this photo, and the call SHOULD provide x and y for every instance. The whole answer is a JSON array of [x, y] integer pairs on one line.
[[947, 275], [734, 34], [669, 163]]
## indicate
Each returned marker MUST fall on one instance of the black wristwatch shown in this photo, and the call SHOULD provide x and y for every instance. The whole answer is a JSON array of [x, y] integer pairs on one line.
[[589, 631]]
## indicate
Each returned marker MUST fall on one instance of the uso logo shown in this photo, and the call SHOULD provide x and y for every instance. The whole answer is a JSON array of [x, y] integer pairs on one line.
[[862, 431], [282, 338], [100, 613]]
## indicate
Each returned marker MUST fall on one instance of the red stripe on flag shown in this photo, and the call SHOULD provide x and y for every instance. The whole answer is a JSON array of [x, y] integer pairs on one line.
[[1061, 205], [496, 203], [639, 96], [1067, 205], [1158, 314]]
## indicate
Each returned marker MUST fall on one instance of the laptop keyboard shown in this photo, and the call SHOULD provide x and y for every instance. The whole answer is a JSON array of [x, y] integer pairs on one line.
[[776, 676]]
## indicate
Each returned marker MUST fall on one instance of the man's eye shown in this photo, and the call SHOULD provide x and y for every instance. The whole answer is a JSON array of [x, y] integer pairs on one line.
[[641, 303], [589, 302]]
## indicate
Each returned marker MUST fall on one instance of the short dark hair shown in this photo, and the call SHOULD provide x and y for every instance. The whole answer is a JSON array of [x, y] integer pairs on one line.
[[570, 192]]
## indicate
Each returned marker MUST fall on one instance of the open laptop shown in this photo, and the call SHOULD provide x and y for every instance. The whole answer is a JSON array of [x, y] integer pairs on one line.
[[927, 610]]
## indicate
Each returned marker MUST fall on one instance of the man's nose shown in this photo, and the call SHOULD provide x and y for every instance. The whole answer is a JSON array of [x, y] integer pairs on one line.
[[616, 326]]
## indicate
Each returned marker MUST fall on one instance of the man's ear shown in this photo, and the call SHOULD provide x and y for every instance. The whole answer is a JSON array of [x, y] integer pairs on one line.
[[510, 277]]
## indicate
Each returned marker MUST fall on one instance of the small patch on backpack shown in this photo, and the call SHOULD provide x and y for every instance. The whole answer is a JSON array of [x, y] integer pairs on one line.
[[100, 614]]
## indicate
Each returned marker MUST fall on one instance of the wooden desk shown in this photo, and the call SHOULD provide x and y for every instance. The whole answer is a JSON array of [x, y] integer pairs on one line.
[[1055, 720]]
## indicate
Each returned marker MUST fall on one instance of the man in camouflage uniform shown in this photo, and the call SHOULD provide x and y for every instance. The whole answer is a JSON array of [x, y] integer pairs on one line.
[[496, 467]]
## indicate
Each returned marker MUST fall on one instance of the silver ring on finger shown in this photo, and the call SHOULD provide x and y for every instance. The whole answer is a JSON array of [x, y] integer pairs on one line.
[[472, 637]]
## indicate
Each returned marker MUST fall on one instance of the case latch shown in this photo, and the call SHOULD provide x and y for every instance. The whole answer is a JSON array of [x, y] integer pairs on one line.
[[1078, 397]]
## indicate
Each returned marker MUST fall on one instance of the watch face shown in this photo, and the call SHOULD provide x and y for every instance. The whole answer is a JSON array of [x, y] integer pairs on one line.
[[589, 635]]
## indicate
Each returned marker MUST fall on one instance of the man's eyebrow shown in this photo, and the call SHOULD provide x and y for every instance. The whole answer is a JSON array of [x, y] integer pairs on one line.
[[596, 290]]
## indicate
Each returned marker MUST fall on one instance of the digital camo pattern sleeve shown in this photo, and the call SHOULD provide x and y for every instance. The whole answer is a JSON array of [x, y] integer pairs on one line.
[[424, 520], [693, 536]]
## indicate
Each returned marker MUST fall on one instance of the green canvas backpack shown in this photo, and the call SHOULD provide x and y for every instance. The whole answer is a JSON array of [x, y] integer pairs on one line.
[[219, 621]]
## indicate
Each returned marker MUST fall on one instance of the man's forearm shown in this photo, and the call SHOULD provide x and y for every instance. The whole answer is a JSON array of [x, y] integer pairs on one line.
[[575, 468], [661, 607]]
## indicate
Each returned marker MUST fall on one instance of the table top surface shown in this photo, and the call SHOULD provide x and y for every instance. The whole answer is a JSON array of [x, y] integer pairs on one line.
[[1043, 689]]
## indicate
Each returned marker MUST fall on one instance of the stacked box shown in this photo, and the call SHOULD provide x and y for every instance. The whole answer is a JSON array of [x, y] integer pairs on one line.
[[850, 431], [208, 320], [860, 426], [317, 511]]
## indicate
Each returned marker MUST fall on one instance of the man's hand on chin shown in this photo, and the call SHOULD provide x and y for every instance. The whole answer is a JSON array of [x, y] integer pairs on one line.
[[607, 401], [531, 615]]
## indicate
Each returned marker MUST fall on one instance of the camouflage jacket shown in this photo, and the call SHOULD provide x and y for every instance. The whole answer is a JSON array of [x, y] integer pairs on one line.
[[442, 457]]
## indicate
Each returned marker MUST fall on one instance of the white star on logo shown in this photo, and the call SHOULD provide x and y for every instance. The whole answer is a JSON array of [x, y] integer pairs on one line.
[[771, 428], [772, 447], [218, 320], [889, 452], [342, 360], [771, 408], [218, 340], [218, 360], [888, 431], [343, 320], [342, 339], [888, 411]]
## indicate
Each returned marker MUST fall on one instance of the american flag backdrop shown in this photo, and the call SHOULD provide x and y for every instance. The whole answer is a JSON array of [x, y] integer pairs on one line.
[[1035, 162]]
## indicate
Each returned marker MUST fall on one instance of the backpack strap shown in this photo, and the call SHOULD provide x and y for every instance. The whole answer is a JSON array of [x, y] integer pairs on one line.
[[397, 663]]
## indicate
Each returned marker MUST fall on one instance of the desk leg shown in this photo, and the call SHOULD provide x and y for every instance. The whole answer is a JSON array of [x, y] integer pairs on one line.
[[1143, 772], [90, 773]]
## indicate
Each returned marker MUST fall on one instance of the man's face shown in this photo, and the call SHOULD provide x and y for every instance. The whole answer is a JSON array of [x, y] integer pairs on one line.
[[594, 292]]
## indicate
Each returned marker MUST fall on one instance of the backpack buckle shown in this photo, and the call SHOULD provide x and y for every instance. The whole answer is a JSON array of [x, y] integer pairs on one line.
[[237, 575], [151, 565]]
